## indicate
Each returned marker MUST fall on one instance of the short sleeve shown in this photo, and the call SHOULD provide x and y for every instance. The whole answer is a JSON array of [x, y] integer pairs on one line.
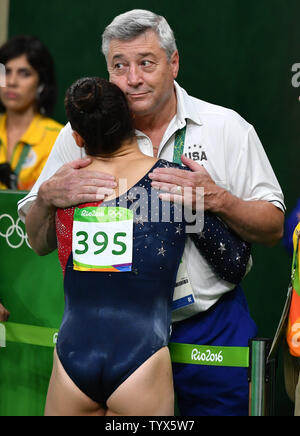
[[64, 150], [251, 174]]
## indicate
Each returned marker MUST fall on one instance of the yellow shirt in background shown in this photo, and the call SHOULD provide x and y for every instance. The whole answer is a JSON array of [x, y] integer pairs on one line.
[[296, 240], [40, 136]]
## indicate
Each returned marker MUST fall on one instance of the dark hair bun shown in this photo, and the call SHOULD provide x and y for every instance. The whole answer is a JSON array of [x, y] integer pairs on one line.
[[86, 95], [98, 110]]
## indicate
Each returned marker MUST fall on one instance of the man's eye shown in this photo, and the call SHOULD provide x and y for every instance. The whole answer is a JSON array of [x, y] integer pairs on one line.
[[148, 66], [146, 63], [118, 66]]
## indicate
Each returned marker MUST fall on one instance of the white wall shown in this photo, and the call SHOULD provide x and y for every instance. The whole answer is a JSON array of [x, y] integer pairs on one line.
[[4, 8]]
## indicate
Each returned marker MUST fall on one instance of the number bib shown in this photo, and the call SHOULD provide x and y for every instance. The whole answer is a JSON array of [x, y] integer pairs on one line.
[[102, 239]]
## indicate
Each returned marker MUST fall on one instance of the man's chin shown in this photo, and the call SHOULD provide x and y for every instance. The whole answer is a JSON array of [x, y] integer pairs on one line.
[[141, 109]]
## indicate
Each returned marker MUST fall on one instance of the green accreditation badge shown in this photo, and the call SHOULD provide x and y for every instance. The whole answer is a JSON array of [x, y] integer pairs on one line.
[[102, 239]]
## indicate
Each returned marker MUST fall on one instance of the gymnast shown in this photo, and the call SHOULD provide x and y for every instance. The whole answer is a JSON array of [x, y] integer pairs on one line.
[[120, 261]]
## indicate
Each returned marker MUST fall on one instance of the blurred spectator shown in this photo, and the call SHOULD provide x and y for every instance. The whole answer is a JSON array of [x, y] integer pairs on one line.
[[290, 224], [27, 134], [291, 349]]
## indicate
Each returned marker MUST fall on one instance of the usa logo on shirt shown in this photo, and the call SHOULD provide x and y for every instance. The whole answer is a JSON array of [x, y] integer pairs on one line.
[[196, 153]]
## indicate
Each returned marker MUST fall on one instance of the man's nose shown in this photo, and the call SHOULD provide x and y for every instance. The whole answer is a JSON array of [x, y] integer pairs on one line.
[[134, 76]]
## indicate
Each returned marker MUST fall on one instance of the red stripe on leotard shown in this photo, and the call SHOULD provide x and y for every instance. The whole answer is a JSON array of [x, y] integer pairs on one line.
[[64, 230]]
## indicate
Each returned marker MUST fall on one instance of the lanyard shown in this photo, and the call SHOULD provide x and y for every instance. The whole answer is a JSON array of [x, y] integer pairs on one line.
[[24, 154], [179, 145], [22, 158]]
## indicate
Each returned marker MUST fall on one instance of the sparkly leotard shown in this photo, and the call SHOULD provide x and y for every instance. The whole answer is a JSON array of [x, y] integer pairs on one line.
[[114, 321]]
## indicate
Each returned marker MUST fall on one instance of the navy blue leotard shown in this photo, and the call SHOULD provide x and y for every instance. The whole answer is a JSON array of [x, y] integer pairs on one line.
[[114, 321]]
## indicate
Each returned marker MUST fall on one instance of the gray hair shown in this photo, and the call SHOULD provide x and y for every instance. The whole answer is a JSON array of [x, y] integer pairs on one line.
[[133, 23]]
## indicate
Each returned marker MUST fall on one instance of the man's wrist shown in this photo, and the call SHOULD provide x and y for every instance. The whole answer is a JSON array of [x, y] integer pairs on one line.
[[221, 201], [43, 199]]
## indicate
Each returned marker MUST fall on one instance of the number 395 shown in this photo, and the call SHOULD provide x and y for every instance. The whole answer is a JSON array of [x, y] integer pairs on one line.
[[100, 239]]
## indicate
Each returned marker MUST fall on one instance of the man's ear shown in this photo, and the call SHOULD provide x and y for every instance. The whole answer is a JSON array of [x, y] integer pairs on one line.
[[78, 139], [174, 62]]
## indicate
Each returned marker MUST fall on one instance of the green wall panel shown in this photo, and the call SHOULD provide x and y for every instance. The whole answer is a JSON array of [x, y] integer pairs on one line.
[[31, 288]]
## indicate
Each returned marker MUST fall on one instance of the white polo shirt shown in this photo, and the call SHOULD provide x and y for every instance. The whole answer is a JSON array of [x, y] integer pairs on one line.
[[230, 150]]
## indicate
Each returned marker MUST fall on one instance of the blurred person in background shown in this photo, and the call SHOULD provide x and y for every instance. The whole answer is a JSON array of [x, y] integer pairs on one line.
[[290, 224], [27, 133], [291, 358], [291, 344]]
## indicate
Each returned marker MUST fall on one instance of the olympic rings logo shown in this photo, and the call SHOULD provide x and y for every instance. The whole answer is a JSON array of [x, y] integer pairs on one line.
[[117, 214], [15, 235]]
